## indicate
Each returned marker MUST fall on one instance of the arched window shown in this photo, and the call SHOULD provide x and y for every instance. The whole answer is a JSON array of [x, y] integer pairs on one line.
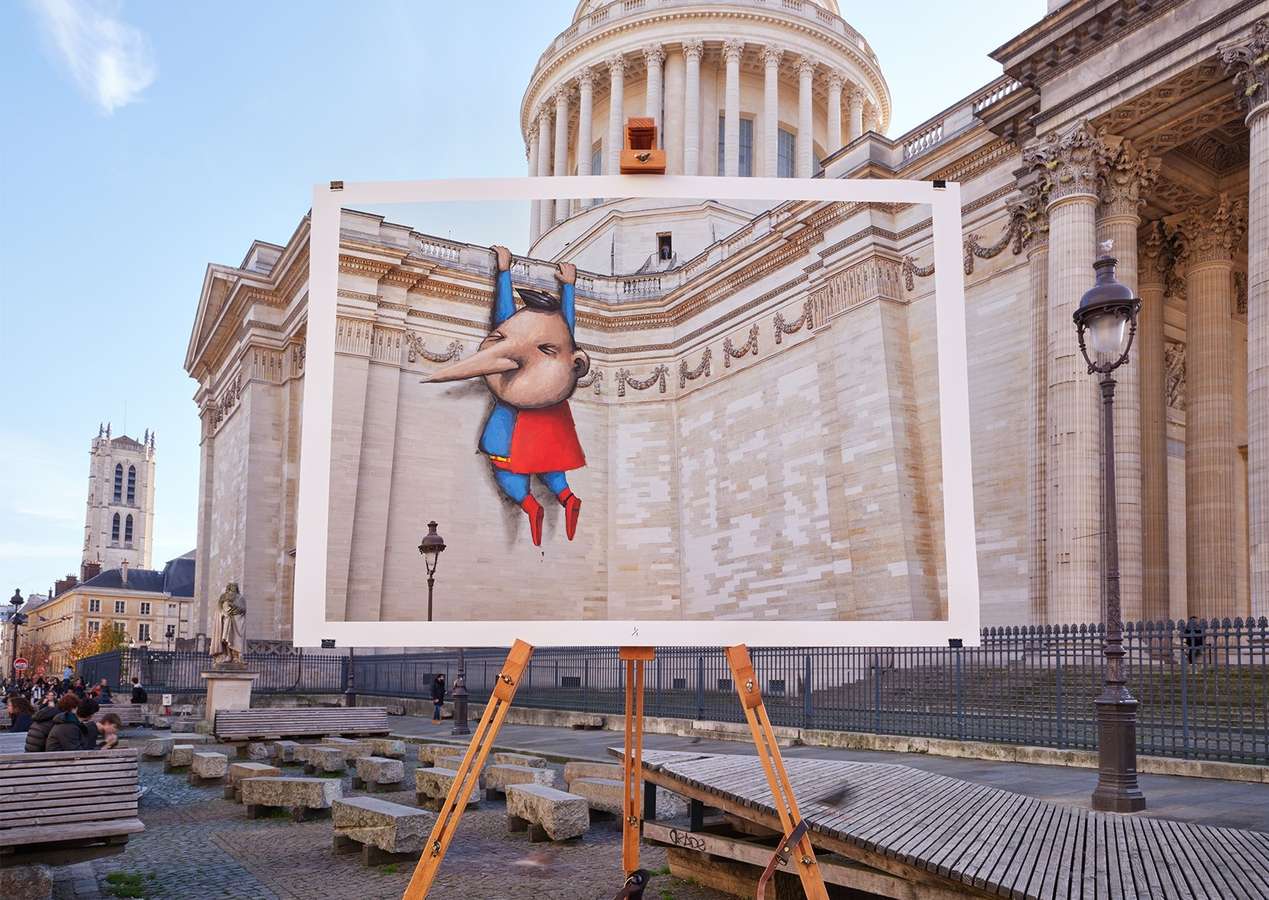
[[114, 530], [132, 484], [127, 530], [119, 482], [786, 157]]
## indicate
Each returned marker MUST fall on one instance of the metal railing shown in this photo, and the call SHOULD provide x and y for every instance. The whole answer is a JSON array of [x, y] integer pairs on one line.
[[1203, 687], [180, 671]]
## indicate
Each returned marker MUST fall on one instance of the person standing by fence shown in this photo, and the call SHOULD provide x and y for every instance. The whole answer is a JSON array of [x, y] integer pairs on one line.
[[438, 697], [138, 692]]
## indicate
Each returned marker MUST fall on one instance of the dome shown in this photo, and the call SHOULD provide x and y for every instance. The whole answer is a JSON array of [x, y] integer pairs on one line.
[[586, 7]]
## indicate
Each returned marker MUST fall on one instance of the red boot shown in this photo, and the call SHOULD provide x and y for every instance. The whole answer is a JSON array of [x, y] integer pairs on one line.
[[533, 510], [572, 509]]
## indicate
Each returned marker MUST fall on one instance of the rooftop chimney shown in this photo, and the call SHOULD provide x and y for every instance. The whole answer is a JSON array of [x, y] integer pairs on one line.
[[123, 571]]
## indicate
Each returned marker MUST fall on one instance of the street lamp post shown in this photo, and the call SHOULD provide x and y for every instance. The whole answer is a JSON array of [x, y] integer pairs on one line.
[[16, 619], [432, 546], [1106, 322]]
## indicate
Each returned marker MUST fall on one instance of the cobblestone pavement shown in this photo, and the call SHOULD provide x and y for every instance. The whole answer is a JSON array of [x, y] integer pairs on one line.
[[199, 846]]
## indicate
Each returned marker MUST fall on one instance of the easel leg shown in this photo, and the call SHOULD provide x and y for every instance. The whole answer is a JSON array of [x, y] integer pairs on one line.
[[796, 845], [632, 760], [469, 772]]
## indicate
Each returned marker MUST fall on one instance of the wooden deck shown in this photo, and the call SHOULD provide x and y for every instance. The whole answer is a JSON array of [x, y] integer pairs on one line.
[[942, 836]]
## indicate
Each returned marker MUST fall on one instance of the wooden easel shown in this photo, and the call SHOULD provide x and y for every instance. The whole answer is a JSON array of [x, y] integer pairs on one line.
[[795, 844]]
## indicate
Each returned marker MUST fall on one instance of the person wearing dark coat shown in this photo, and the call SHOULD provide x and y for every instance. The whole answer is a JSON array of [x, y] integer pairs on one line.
[[438, 697], [138, 693], [20, 713], [56, 728], [87, 709]]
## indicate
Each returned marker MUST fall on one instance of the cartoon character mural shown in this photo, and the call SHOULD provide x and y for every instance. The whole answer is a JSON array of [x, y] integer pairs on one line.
[[530, 362]]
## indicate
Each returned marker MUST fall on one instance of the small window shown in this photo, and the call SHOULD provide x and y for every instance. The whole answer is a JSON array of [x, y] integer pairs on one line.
[[143, 632], [121, 628], [94, 604], [114, 530], [127, 530], [786, 158], [746, 147], [94, 627], [132, 485], [597, 158], [121, 607], [171, 608], [665, 246], [118, 482], [145, 607]]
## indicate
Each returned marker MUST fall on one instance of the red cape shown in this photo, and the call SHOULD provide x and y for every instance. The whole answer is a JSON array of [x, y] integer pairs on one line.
[[544, 440]]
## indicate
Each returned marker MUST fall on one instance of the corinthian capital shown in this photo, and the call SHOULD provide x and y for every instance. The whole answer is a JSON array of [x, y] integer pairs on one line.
[[1072, 163], [732, 49], [1030, 212], [771, 55], [585, 77], [1154, 254], [693, 50], [806, 66], [1248, 63], [616, 64], [1129, 175], [835, 80], [1209, 233], [855, 95], [653, 55]]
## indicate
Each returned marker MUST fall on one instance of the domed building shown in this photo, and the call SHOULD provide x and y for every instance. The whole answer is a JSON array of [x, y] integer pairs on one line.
[[760, 414], [748, 88]]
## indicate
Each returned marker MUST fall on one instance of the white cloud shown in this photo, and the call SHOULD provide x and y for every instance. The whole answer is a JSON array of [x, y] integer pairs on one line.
[[109, 60]]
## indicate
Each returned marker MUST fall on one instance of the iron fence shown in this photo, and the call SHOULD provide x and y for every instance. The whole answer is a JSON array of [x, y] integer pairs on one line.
[[1203, 687], [179, 671]]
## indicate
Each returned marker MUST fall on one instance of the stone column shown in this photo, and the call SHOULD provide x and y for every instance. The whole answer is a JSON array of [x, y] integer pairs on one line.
[[1152, 263], [561, 148], [616, 121], [732, 49], [806, 123], [1036, 240], [654, 58], [1128, 176], [1207, 237], [692, 52], [1249, 64], [855, 108], [546, 211], [535, 213], [672, 126], [585, 119], [872, 120], [1074, 165], [833, 142], [771, 111]]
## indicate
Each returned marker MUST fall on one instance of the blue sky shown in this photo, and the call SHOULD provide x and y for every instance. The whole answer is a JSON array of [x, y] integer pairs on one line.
[[146, 139]]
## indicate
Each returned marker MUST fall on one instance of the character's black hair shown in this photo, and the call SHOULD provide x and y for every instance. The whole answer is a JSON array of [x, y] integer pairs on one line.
[[539, 300]]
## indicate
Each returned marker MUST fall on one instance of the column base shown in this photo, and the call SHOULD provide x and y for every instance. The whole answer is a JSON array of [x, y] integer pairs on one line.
[[1117, 789]]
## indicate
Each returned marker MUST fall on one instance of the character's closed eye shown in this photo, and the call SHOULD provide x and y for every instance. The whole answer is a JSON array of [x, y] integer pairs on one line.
[[549, 349], [492, 338]]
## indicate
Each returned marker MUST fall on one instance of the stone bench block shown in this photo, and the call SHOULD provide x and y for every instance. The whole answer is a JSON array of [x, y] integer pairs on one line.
[[352, 748], [282, 752], [159, 748], [498, 778], [583, 769], [603, 794], [318, 758], [241, 771], [454, 762], [208, 767], [547, 813], [376, 773], [432, 785], [183, 726], [389, 748], [383, 830], [429, 753], [518, 759], [179, 756], [299, 795]]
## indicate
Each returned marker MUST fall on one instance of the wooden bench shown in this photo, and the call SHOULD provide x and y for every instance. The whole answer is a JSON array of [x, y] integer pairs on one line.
[[129, 713], [546, 813], [82, 800], [385, 832], [274, 724]]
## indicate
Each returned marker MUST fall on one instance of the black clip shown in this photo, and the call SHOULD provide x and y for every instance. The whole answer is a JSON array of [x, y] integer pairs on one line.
[[336, 185], [940, 184], [328, 643]]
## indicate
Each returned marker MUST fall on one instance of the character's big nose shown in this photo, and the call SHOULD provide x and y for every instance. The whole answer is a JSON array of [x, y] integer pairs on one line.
[[484, 362]]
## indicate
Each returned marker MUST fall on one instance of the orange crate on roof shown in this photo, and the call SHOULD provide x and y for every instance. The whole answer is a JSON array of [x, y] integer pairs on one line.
[[641, 156]]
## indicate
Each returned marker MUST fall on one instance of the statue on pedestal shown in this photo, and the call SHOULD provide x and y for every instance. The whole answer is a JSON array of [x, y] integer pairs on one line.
[[230, 640]]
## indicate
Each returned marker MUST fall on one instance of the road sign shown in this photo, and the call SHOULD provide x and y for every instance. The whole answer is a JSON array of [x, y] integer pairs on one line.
[[19, 663], [167, 700]]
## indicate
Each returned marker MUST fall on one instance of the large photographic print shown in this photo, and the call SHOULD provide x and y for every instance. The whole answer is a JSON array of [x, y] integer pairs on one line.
[[666, 420]]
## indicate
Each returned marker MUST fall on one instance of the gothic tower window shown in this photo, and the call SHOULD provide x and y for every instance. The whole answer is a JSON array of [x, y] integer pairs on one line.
[[127, 529], [114, 530], [132, 484], [118, 482]]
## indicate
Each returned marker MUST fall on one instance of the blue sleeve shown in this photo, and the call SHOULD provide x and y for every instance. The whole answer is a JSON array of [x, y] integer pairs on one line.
[[504, 304], [568, 307]]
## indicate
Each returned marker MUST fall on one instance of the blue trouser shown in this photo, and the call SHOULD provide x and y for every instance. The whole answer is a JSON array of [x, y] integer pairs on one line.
[[516, 486]]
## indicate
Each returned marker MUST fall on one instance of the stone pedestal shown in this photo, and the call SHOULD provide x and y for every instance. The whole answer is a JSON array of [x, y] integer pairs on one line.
[[227, 689]]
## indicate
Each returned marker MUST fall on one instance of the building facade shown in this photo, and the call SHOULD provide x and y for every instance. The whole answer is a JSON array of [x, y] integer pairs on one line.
[[119, 525], [143, 605], [743, 403]]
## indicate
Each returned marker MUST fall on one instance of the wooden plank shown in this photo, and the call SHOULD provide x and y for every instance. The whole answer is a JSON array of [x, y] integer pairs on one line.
[[1018, 854], [1253, 866], [998, 849], [1194, 862], [78, 798], [1227, 869], [75, 831], [1070, 866], [23, 785], [1183, 879], [944, 862], [102, 813], [912, 809], [1044, 882], [1156, 883], [1110, 852], [935, 823], [972, 852]]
